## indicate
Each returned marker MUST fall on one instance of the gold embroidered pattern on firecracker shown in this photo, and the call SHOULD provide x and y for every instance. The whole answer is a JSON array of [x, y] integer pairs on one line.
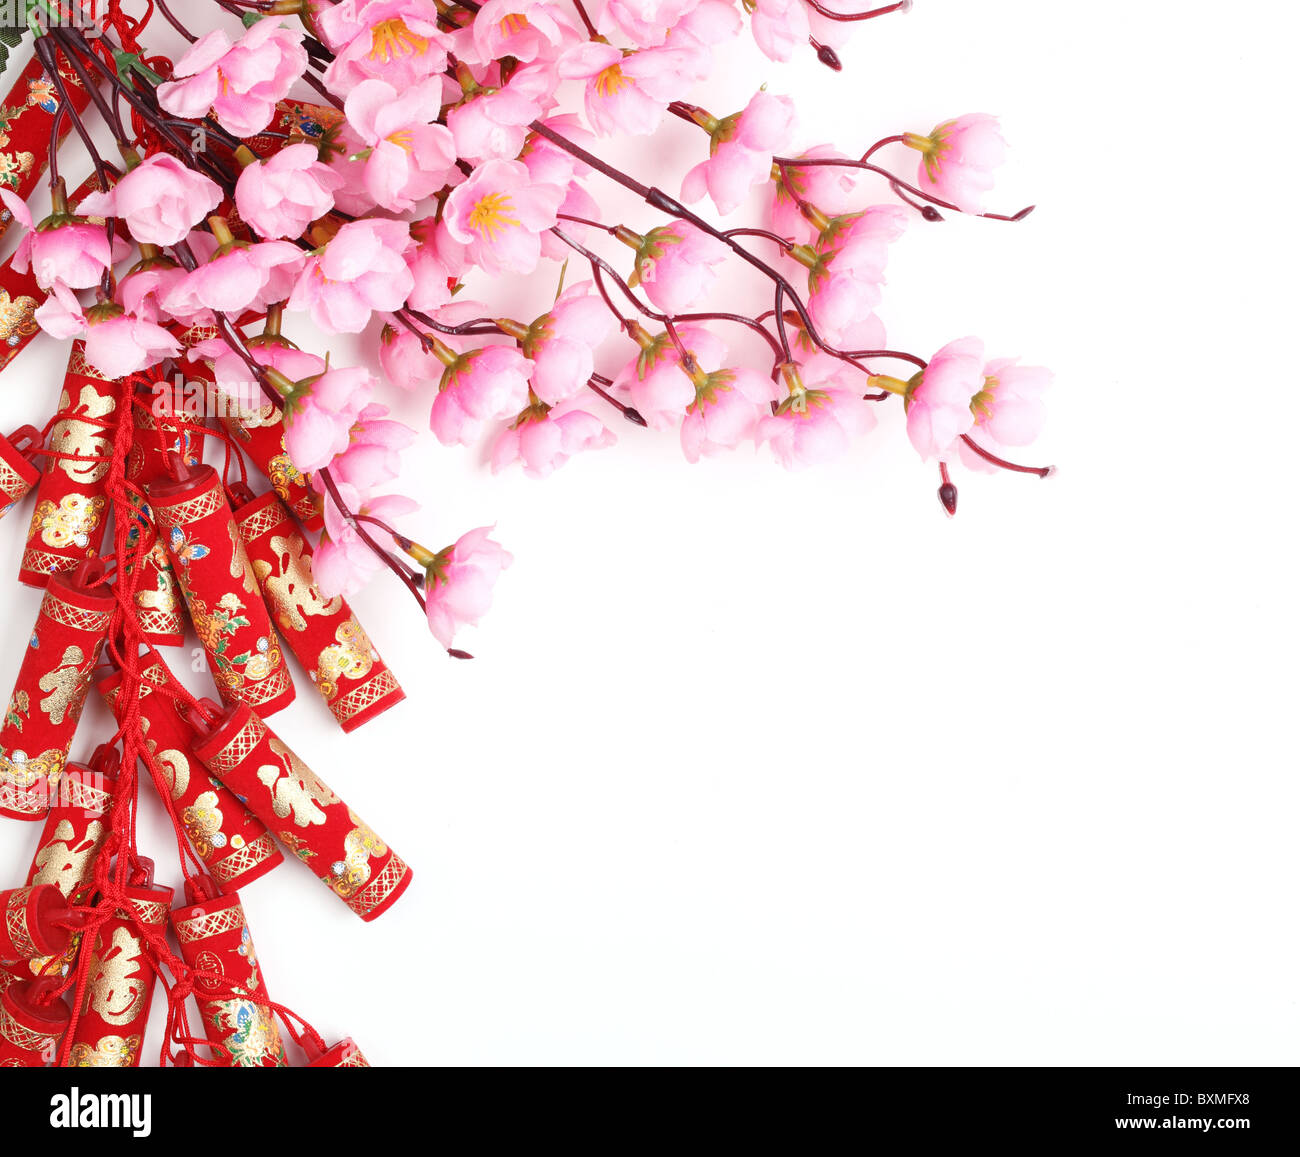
[[383, 886], [59, 862], [239, 748], [16, 924], [23, 771], [346, 707], [173, 766], [290, 588], [271, 687], [84, 796], [294, 788], [70, 522], [68, 614], [65, 686], [255, 1038], [353, 1058], [241, 567], [190, 510], [244, 859], [72, 435], [14, 166], [37, 561], [24, 1038], [109, 1052], [207, 924], [202, 821], [254, 676], [152, 912], [350, 874], [119, 979], [256, 523], [351, 656], [12, 484], [285, 477]]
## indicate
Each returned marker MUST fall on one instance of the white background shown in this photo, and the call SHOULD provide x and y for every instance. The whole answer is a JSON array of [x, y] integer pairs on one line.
[[763, 768]]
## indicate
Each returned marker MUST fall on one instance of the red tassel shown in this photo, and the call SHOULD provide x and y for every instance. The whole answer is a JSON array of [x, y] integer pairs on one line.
[[214, 938], [71, 506], [323, 633], [305, 815], [233, 844], [50, 691], [214, 572]]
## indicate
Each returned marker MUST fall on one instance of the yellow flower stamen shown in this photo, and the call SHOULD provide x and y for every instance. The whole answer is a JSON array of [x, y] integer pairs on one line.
[[490, 215], [515, 22], [403, 139], [610, 81], [391, 38]]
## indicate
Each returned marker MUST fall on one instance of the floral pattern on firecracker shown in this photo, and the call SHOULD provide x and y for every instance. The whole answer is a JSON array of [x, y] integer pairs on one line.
[[70, 522], [109, 1052]]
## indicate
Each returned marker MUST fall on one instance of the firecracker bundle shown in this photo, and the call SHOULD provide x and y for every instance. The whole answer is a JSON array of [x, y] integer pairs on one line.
[[202, 480]]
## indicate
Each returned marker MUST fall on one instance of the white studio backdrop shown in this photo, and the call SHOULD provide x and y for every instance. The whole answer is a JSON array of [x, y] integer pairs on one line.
[[759, 768]]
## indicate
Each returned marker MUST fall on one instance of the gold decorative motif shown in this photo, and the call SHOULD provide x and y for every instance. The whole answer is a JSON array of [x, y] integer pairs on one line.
[[252, 1036], [353, 1058], [86, 439], [12, 484], [295, 789], [203, 820], [191, 509], [78, 618], [207, 924], [240, 566], [379, 889], [271, 687], [65, 687], [119, 980], [350, 656], [69, 523], [39, 561], [16, 929], [16, 321], [290, 588], [257, 522], [244, 859], [240, 746], [61, 863], [109, 1052], [24, 1038], [154, 912], [349, 876]]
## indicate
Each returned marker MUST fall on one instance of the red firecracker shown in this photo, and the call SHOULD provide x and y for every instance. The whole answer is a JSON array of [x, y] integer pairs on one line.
[[344, 1055], [50, 691], [214, 939], [120, 980], [233, 844], [305, 815], [71, 506], [221, 592], [323, 633], [77, 824], [36, 923], [17, 473], [20, 297], [32, 1023]]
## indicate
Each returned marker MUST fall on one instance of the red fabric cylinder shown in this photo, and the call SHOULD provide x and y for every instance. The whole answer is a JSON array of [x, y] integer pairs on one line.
[[157, 596], [17, 474], [75, 829], [344, 1055], [31, 1031], [233, 844], [50, 692], [212, 567], [160, 430], [323, 633], [214, 938], [303, 813], [260, 435], [119, 987], [30, 926], [71, 507], [20, 297]]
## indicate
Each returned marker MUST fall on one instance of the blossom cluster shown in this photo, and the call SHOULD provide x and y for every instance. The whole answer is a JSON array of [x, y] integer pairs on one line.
[[439, 149]]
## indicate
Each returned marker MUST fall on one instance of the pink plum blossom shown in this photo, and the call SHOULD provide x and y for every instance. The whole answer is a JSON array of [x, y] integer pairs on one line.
[[498, 214], [482, 385], [240, 81], [160, 200], [659, 386], [741, 151], [118, 344], [397, 41], [845, 283], [958, 159], [234, 378], [407, 157], [320, 414], [830, 189], [342, 564], [821, 417], [243, 277], [939, 405], [562, 343], [460, 582], [629, 94], [281, 196], [434, 262], [142, 290], [543, 442], [644, 22], [492, 123], [527, 30], [372, 454], [1008, 410], [779, 27], [72, 250], [406, 362], [726, 411], [361, 269], [675, 265]]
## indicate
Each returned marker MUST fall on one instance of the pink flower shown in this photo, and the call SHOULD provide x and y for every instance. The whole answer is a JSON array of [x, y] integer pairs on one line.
[[562, 343], [397, 41], [958, 159], [482, 385], [644, 22], [1008, 410], [342, 564], [779, 27], [525, 29], [363, 268], [408, 157], [460, 582], [118, 344], [240, 81], [628, 94], [493, 122], [434, 264], [674, 265], [62, 248], [281, 196], [320, 414], [828, 188], [543, 442], [60, 314], [142, 290], [741, 152], [726, 411], [372, 454], [498, 213], [845, 283], [243, 277], [660, 388], [160, 200], [235, 379], [939, 406], [819, 420], [407, 364]]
